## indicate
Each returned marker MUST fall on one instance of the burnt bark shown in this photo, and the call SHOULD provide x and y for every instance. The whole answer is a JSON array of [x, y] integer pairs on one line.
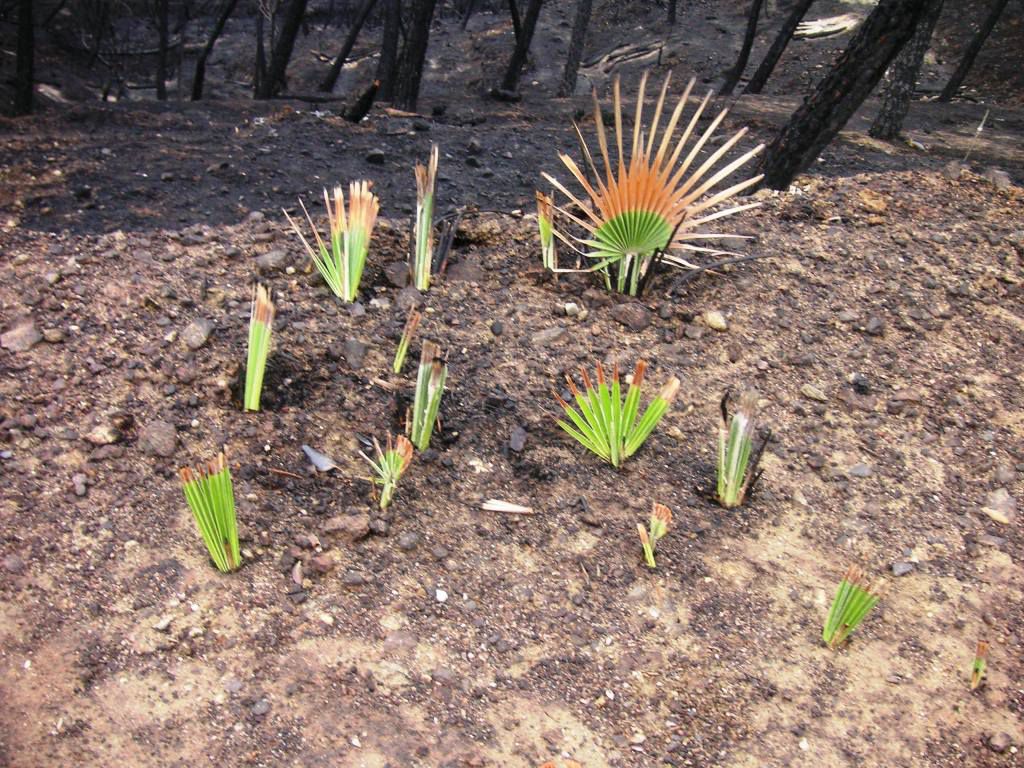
[[517, 23], [161, 55], [218, 28], [388, 62], [576, 43], [515, 65], [274, 79], [732, 77], [973, 48], [902, 77], [842, 91], [25, 66], [671, 12], [767, 65], [327, 85], [410, 68]]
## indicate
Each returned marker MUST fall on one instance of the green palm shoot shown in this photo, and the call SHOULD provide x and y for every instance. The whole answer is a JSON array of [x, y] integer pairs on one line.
[[427, 400], [661, 519], [211, 497], [545, 222], [979, 665], [341, 264], [607, 425], [390, 465], [853, 601], [403, 343], [737, 459], [261, 323], [426, 177]]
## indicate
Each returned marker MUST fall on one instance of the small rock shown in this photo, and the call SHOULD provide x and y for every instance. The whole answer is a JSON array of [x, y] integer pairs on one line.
[[861, 470], [197, 333], [1000, 506], [354, 352], [408, 541], [409, 298], [998, 178], [353, 579], [271, 261], [813, 393], [159, 438], [350, 528], [497, 327], [999, 742], [261, 708], [322, 563], [53, 335], [632, 314], [441, 596], [693, 331], [164, 624], [104, 434], [715, 320], [78, 481], [547, 336], [22, 337], [397, 273], [376, 157], [875, 326], [571, 309], [1005, 474], [517, 440], [14, 564], [954, 169], [902, 568]]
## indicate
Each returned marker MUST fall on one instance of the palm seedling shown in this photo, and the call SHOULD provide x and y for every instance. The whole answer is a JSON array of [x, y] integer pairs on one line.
[[341, 264], [545, 223], [606, 424], [979, 665], [261, 323], [427, 400], [403, 343], [390, 465], [661, 518], [211, 498], [426, 176], [853, 601], [643, 208], [738, 460]]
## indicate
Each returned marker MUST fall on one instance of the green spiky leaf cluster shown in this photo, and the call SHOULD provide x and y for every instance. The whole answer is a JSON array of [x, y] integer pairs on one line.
[[661, 519], [211, 497], [427, 401], [853, 601], [738, 460], [390, 465], [426, 177], [261, 323], [403, 343]]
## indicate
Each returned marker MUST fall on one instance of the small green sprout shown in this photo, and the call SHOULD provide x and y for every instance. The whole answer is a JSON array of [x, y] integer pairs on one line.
[[211, 498], [661, 518], [737, 459], [980, 665], [426, 176], [390, 465], [403, 343], [427, 401], [853, 601], [605, 424], [261, 324], [545, 222], [342, 264]]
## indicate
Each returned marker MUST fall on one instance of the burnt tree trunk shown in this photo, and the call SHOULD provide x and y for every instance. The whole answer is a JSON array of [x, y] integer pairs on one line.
[[732, 77], [842, 91], [972, 51], [902, 77], [414, 54], [517, 24], [218, 28], [579, 38], [274, 80], [161, 54], [515, 65], [327, 85], [388, 62], [671, 12], [260, 73], [764, 70], [24, 69]]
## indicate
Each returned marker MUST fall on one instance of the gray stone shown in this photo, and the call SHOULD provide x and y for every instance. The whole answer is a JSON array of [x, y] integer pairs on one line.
[[14, 564], [409, 298], [1000, 506], [517, 440], [632, 314], [159, 438], [22, 337], [349, 528], [353, 579], [998, 178], [408, 541], [376, 157], [547, 336], [999, 742], [354, 352], [261, 708], [861, 470], [197, 333], [902, 568], [397, 273], [271, 261]]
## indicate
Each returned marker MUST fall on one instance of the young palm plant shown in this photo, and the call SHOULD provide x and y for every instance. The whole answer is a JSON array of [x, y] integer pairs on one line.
[[738, 460], [403, 343], [853, 601], [607, 425], [545, 223], [427, 400], [341, 265], [979, 665], [643, 208], [426, 176], [661, 518], [211, 498], [261, 324], [390, 465]]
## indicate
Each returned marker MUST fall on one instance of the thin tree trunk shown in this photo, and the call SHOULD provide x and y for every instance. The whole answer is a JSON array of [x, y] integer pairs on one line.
[[517, 24], [515, 65], [282, 53], [842, 91], [576, 43], [161, 56], [672, 13], [339, 61], [388, 63], [733, 76], [467, 14], [973, 48], [902, 77], [261, 54], [410, 69], [767, 66], [218, 28], [24, 69]]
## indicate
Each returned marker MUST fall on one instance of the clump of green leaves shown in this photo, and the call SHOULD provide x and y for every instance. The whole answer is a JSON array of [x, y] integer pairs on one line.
[[390, 465], [426, 176], [341, 265], [607, 425], [211, 497], [661, 518], [261, 323], [427, 400], [545, 223], [738, 460], [979, 665], [853, 601], [403, 343]]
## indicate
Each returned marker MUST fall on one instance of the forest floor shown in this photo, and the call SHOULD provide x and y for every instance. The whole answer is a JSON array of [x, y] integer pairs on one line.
[[883, 325]]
